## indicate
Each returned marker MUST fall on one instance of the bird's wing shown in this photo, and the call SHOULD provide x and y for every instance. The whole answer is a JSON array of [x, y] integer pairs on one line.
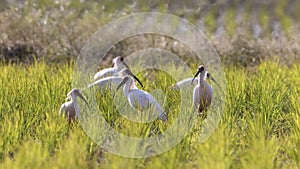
[[152, 101], [145, 100], [196, 96], [107, 80], [63, 107], [139, 97], [105, 73], [185, 82]]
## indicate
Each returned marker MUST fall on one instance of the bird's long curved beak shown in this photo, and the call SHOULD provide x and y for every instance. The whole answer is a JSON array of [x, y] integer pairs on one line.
[[125, 64], [213, 79], [80, 95], [210, 77], [132, 75], [138, 80], [195, 76]]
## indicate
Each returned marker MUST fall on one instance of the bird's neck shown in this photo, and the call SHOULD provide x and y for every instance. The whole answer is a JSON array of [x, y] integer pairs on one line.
[[201, 78], [76, 106], [119, 66], [116, 65], [127, 87], [132, 85]]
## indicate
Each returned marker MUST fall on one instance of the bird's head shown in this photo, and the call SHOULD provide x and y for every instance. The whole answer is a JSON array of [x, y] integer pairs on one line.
[[119, 61], [208, 75], [74, 93], [127, 78], [201, 69]]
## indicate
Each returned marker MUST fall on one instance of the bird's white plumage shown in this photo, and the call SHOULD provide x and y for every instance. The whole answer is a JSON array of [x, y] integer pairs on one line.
[[185, 83], [142, 99], [106, 72], [107, 81], [63, 108], [71, 108], [202, 96], [119, 64], [203, 92], [112, 80]]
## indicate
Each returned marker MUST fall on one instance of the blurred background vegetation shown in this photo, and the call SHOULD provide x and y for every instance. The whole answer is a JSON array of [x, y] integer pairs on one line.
[[260, 126], [243, 32]]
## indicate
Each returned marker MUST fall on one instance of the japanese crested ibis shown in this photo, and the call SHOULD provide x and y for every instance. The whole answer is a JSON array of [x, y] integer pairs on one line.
[[71, 108], [112, 80], [139, 98], [203, 92], [119, 64]]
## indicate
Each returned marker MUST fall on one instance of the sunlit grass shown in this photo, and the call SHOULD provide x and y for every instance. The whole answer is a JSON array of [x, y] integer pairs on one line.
[[259, 127]]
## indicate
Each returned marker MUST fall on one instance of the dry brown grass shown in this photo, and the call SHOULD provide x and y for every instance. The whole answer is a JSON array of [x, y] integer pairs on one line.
[[57, 32]]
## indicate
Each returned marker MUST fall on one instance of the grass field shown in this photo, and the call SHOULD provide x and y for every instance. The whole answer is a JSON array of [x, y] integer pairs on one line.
[[260, 126], [258, 43]]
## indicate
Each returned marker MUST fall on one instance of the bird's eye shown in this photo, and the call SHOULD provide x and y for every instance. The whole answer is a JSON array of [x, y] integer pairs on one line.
[[122, 59]]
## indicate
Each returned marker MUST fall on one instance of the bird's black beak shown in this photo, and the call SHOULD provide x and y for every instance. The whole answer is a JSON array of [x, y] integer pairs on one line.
[[196, 75], [83, 99], [125, 64], [213, 79], [210, 77], [138, 80], [132, 75]]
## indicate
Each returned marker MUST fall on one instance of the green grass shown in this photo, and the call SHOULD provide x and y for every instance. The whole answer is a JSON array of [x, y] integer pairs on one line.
[[56, 31], [260, 126]]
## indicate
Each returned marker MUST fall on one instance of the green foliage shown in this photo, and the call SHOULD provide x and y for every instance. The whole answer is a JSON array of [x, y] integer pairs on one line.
[[56, 30], [260, 126]]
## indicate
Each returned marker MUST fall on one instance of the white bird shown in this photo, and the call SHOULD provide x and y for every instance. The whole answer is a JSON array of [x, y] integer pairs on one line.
[[112, 80], [119, 64], [203, 93], [184, 83], [139, 98], [71, 108], [188, 81]]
